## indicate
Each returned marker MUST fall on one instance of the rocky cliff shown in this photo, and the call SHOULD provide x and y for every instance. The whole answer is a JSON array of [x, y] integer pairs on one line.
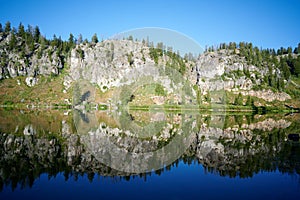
[[225, 70], [30, 61], [108, 63], [111, 63]]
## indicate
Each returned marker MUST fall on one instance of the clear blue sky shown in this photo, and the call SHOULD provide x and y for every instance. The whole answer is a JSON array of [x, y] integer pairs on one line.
[[265, 23]]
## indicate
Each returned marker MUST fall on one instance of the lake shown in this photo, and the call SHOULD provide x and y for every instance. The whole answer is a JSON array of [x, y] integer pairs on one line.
[[75, 154]]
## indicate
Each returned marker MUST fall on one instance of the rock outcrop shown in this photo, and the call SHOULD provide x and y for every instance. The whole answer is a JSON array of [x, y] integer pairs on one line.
[[22, 55], [108, 62], [223, 70], [111, 63]]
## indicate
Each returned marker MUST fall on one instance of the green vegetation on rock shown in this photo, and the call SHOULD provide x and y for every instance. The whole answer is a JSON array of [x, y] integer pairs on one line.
[[38, 70]]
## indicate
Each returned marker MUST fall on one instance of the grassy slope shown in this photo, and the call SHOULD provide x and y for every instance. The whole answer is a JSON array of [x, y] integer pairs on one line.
[[47, 91]]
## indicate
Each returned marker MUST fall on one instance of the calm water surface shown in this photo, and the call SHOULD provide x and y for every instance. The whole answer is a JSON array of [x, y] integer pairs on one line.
[[148, 155]]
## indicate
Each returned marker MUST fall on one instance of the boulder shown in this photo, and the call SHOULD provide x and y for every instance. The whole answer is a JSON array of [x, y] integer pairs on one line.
[[31, 81]]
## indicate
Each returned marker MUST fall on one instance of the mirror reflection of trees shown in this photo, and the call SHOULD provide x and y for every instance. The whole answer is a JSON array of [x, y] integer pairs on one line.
[[245, 145]]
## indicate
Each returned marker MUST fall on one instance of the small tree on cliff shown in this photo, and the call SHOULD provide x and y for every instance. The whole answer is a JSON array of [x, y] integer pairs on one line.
[[7, 28], [95, 39]]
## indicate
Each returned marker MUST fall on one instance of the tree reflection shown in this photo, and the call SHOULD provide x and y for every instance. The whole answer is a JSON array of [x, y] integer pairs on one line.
[[242, 152]]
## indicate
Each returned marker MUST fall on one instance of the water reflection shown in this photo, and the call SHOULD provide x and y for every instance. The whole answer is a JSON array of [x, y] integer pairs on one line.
[[124, 145]]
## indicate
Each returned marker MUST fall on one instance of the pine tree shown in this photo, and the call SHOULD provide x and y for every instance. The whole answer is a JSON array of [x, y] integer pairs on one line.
[[21, 31], [95, 39], [30, 31], [71, 39], [297, 68], [13, 41], [296, 50], [130, 38], [285, 70], [54, 41], [280, 84], [232, 45], [36, 34], [7, 28], [271, 80]]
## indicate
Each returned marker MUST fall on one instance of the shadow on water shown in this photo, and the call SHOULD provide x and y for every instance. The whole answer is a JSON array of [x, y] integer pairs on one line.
[[37, 142]]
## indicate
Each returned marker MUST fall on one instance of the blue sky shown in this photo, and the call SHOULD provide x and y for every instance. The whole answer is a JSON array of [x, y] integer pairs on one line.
[[265, 23]]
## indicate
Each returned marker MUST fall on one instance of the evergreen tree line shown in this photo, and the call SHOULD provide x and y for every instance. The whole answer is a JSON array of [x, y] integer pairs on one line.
[[285, 59], [30, 41], [27, 42]]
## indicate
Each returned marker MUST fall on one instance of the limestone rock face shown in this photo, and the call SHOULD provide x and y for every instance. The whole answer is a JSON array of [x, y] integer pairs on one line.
[[45, 65], [37, 61], [222, 65], [223, 70], [106, 63], [112, 63]]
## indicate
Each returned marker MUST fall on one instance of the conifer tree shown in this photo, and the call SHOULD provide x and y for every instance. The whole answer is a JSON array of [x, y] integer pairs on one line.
[[95, 39], [7, 28]]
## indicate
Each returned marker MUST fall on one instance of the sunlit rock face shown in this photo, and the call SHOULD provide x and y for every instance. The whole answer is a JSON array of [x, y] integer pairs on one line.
[[106, 63], [224, 70], [113, 63], [34, 64]]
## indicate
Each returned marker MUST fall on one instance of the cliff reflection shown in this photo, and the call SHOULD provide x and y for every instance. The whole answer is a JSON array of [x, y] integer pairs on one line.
[[34, 143]]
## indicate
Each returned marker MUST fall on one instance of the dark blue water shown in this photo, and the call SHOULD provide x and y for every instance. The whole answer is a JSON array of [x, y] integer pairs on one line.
[[182, 182]]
